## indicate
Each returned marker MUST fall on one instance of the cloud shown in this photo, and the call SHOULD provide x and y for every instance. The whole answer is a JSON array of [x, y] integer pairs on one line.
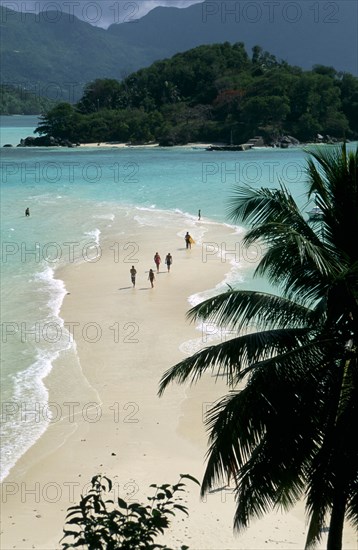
[[139, 8], [101, 13]]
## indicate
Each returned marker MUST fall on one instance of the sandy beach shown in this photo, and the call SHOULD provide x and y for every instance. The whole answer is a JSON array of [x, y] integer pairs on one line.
[[117, 145], [114, 144], [106, 415]]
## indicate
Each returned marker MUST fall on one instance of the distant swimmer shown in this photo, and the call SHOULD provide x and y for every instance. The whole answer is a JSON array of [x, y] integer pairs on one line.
[[151, 277], [133, 273], [157, 260], [168, 260], [199, 215], [27, 212]]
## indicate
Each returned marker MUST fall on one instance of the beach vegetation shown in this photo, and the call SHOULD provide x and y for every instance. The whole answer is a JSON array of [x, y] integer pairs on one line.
[[213, 92], [102, 522], [286, 430]]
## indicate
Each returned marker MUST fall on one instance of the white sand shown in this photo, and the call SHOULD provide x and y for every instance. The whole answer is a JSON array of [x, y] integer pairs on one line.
[[126, 338]]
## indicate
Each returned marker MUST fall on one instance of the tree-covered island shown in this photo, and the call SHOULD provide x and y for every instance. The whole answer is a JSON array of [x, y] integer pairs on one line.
[[215, 93]]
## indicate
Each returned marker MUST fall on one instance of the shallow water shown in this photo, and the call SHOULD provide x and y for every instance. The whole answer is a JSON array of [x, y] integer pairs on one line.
[[75, 197]]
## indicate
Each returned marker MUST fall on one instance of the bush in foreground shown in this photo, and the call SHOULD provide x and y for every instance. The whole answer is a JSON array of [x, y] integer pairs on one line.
[[97, 523]]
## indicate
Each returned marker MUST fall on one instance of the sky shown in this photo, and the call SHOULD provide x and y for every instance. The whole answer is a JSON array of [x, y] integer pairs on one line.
[[101, 13]]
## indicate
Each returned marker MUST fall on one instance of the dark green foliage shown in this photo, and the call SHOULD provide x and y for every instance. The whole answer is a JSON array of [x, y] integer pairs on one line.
[[17, 100], [287, 429], [212, 93], [99, 523], [100, 94]]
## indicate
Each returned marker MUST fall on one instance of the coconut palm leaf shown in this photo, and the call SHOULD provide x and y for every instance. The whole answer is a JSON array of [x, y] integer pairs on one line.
[[285, 243], [261, 206], [300, 268], [289, 430], [256, 449], [238, 309], [334, 181], [334, 468], [230, 358]]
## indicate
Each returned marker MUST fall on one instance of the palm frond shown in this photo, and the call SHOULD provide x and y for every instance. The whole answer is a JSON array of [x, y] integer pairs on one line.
[[229, 358], [290, 430], [239, 309], [288, 240], [293, 360], [299, 267], [314, 533], [258, 207], [333, 178], [262, 435], [352, 504]]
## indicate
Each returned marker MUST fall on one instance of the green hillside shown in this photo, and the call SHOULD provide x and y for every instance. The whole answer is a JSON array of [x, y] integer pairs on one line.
[[17, 100], [59, 55], [208, 94]]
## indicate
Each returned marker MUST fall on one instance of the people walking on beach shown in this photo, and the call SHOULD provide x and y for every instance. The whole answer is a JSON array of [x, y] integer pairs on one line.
[[168, 260], [27, 212], [133, 273], [199, 215], [151, 277], [188, 240], [157, 260]]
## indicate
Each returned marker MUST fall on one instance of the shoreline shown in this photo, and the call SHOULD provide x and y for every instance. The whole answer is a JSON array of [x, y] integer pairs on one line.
[[114, 422], [200, 145], [210, 147], [40, 463], [116, 145], [55, 306]]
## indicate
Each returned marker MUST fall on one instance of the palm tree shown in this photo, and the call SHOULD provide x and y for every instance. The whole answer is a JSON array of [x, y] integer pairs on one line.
[[291, 432]]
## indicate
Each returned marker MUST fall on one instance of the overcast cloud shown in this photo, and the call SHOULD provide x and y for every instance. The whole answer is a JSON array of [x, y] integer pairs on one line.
[[101, 13]]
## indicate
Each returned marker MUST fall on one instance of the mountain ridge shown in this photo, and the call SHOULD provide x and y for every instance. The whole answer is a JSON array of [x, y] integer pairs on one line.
[[59, 54], [304, 38]]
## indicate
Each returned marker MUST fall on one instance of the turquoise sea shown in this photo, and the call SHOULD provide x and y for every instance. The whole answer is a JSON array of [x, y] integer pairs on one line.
[[74, 195]]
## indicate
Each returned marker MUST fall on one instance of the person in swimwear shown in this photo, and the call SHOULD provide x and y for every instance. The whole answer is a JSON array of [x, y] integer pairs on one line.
[[168, 260], [133, 273], [157, 260], [151, 277]]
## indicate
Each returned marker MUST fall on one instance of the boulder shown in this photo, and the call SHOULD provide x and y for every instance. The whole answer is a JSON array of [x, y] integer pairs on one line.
[[293, 140], [45, 141]]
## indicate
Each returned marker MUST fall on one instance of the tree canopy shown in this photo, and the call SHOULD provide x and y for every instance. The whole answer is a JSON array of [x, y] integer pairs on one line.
[[213, 92], [19, 100]]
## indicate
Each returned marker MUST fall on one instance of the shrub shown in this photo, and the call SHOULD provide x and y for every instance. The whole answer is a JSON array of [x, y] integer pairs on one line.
[[99, 524]]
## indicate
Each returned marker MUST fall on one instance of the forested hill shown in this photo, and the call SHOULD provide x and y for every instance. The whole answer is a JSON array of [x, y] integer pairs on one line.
[[302, 33], [208, 94], [59, 53], [19, 100]]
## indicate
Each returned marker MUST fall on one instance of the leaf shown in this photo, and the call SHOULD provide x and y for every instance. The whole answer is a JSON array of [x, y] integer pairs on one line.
[[74, 521], [181, 508], [71, 533], [188, 476], [122, 503], [178, 487]]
